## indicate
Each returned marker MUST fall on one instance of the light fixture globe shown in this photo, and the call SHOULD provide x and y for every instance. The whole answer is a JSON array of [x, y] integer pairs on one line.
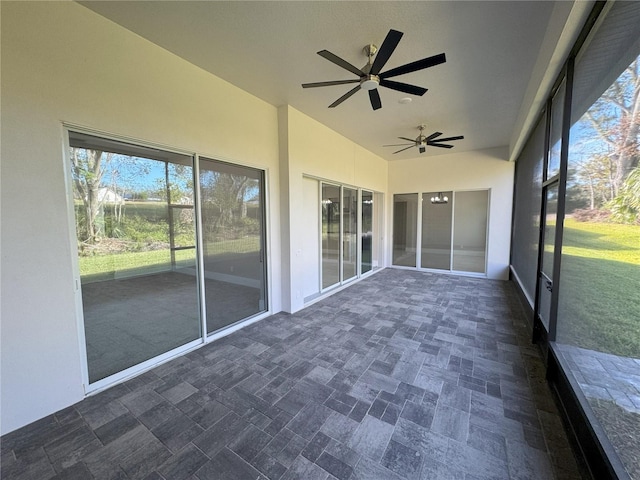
[[439, 199], [370, 82]]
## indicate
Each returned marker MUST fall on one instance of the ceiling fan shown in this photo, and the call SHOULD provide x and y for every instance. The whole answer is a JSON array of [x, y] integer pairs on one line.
[[369, 76], [423, 142]]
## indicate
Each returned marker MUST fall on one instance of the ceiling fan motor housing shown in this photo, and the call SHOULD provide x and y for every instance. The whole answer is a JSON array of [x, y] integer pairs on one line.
[[369, 82]]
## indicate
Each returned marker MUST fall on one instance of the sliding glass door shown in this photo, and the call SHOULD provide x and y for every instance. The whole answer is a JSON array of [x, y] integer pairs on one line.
[[451, 228], [436, 230], [349, 233], [470, 231], [144, 283], [367, 231], [405, 216], [330, 235], [232, 200], [135, 229]]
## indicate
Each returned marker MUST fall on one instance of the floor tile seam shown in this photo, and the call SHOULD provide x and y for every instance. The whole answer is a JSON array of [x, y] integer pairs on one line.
[[51, 461]]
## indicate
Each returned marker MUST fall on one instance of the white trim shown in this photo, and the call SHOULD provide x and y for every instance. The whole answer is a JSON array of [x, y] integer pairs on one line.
[[142, 367], [75, 261], [197, 205]]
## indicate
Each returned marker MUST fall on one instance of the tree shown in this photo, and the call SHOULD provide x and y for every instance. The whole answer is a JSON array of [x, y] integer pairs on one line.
[[615, 117], [625, 208], [224, 198], [88, 167]]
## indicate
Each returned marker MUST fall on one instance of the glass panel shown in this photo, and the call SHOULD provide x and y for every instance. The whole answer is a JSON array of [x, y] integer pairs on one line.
[[548, 246], [350, 233], [555, 135], [405, 224], [367, 230], [330, 235], [598, 329], [436, 230], [139, 295], [526, 218], [470, 231], [232, 199]]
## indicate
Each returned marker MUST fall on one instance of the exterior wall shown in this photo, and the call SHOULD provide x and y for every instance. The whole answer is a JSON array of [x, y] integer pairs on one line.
[[484, 169], [315, 150], [63, 63]]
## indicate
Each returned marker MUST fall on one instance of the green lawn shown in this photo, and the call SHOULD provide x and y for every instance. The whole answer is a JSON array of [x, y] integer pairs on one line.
[[600, 287], [100, 267]]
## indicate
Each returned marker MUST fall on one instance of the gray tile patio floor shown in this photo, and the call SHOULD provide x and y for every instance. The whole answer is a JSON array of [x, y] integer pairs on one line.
[[404, 375]]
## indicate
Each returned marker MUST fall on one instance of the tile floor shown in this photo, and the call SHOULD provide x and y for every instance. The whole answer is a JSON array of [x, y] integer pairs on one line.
[[404, 375]]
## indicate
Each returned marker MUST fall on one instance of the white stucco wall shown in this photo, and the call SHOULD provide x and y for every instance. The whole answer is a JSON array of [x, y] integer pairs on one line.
[[63, 63], [484, 169], [315, 150]]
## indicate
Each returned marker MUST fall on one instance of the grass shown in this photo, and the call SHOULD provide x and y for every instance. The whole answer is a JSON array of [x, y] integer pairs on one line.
[[105, 267], [101, 267], [600, 287]]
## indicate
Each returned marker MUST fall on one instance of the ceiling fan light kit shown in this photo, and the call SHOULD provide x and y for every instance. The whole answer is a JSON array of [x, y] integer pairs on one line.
[[370, 76]]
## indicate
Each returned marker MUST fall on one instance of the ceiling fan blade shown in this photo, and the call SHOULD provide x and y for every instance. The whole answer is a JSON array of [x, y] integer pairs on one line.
[[408, 139], [403, 87], [344, 97], [328, 84], [398, 144], [431, 144], [403, 149], [386, 49], [415, 66], [434, 135], [340, 62], [450, 139], [374, 97]]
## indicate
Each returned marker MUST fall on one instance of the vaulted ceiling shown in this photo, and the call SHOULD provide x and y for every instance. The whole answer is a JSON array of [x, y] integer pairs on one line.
[[498, 53]]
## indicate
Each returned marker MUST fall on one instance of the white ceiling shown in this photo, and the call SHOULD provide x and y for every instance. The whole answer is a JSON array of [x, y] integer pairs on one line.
[[269, 50]]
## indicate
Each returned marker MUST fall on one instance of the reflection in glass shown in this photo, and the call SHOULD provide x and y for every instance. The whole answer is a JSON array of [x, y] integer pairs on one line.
[[367, 230], [136, 246], [405, 223], [232, 200], [436, 230], [470, 231], [350, 233], [330, 235]]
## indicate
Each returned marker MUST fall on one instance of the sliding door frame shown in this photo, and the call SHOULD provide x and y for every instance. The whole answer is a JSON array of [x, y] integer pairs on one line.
[[204, 338]]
